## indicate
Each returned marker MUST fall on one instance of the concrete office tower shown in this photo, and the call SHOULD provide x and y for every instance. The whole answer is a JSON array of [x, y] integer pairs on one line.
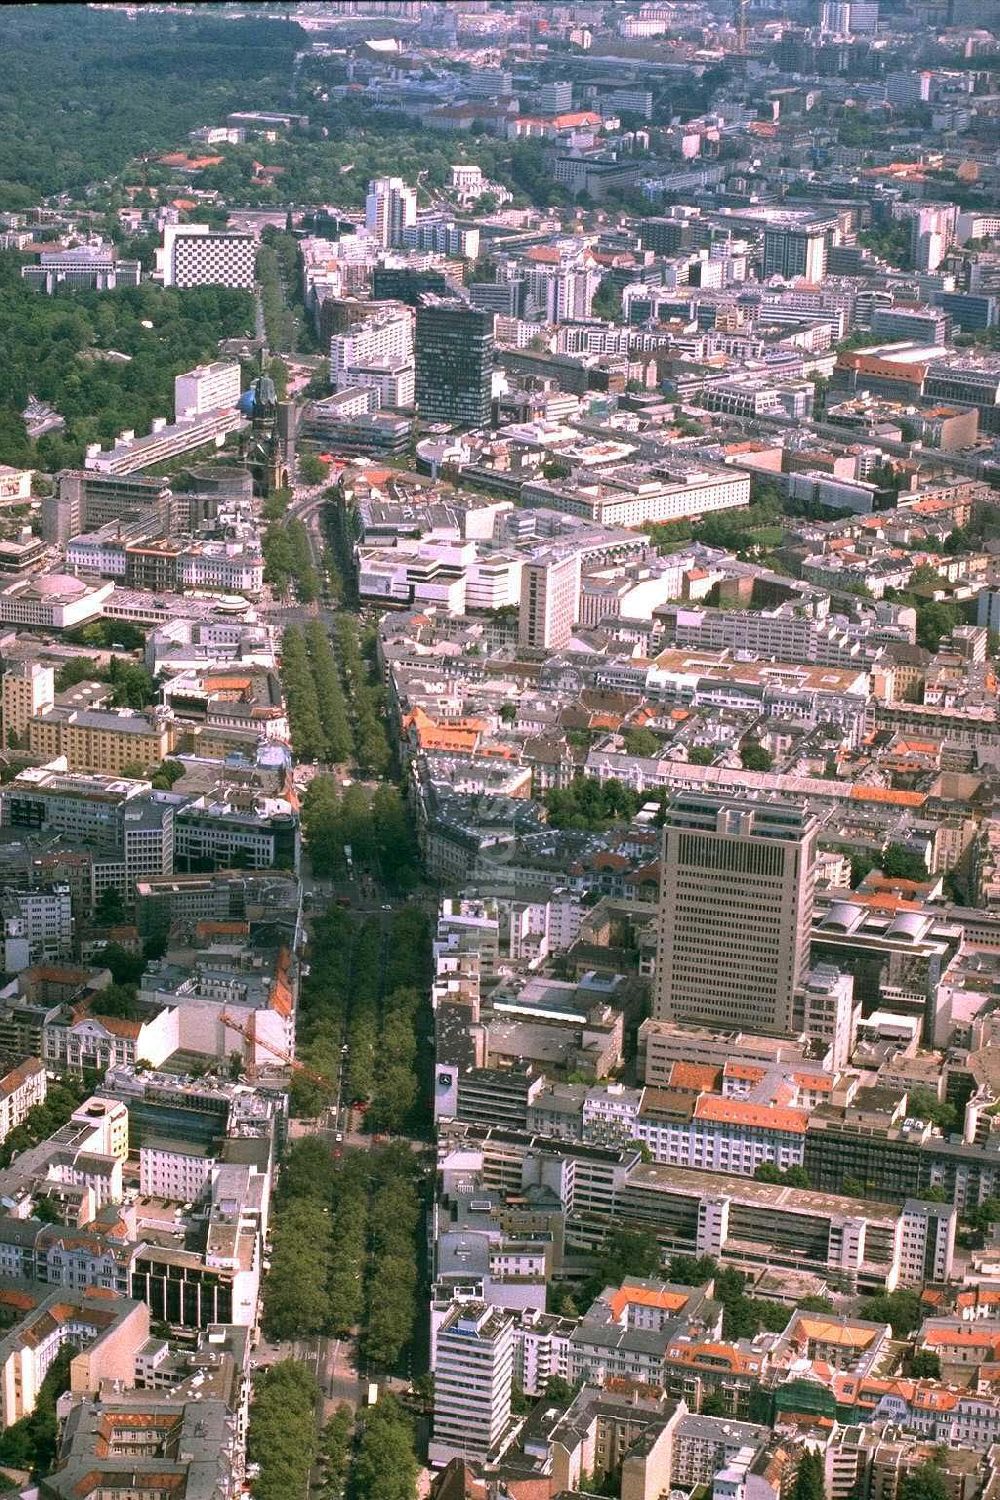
[[792, 250], [28, 689], [473, 1379], [454, 358], [555, 98], [550, 596], [735, 910], [390, 207]]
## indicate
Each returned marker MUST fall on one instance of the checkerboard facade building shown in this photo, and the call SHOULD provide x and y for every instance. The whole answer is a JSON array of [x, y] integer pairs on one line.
[[214, 260]]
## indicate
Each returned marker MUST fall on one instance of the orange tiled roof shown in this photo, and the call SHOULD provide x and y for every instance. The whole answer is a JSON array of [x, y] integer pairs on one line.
[[695, 1077], [749, 1072], [827, 1331], [18, 1075], [980, 1296], [222, 929], [639, 1296], [23, 1301], [740, 1112], [819, 1082], [119, 1026], [699, 1354], [576, 117], [966, 1338], [887, 795]]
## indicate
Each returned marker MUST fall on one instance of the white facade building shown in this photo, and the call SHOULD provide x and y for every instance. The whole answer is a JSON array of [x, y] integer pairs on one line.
[[206, 388], [926, 1242], [227, 567], [167, 1171], [388, 335], [473, 1381]]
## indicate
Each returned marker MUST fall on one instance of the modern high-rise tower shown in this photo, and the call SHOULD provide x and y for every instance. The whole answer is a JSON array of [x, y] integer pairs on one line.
[[735, 912], [390, 207], [794, 249], [454, 355]]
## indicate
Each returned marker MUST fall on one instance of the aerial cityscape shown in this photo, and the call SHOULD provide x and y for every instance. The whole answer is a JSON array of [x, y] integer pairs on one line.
[[500, 750]]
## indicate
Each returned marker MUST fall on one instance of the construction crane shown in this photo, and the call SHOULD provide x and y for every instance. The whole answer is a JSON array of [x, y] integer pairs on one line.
[[252, 1041]]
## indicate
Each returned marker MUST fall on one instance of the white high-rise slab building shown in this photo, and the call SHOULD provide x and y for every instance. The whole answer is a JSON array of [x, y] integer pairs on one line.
[[386, 336], [206, 388], [390, 207], [473, 1382]]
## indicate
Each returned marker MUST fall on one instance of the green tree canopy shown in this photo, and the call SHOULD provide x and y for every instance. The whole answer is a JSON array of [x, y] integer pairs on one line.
[[925, 1482]]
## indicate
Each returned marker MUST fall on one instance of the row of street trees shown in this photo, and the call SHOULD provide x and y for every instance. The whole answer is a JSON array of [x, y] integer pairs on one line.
[[367, 699], [282, 1435], [374, 826], [288, 560], [364, 989], [317, 710], [344, 1255]]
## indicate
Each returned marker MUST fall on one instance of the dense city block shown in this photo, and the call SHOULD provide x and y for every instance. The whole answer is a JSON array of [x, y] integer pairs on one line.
[[500, 750]]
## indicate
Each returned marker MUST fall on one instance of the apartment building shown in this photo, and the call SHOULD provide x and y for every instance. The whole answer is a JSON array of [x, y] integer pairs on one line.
[[550, 594], [795, 249], [384, 340], [37, 926], [21, 1088], [105, 1335], [441, 236], [196, 255], [168, 1170], [390, 208], [74, 1258], [164, 440], [99, 740], [28, 688], [91, 1043], [785, 632], [634, 497], [927, 1242], [221, 567], [720, 1134]]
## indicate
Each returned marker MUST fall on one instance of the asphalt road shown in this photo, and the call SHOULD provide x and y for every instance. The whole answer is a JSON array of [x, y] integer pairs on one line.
[[328, 1359]]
